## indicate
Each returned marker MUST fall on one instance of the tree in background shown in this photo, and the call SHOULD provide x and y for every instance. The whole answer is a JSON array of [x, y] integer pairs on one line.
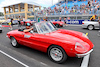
[[1, 14]]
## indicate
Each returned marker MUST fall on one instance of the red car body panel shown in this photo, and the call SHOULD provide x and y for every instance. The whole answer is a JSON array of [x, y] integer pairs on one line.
[[58, 22], [64, 38], [22, 23]]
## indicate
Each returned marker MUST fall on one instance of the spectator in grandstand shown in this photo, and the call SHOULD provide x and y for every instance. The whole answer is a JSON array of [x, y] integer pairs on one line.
[[68, 18], [92, 7], [60, 19], [62, 12], [93, 18], [65, 21]]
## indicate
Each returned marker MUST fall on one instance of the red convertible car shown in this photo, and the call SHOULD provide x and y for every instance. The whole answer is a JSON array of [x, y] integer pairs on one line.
[[58, 23], [27, 21], [58, 43]]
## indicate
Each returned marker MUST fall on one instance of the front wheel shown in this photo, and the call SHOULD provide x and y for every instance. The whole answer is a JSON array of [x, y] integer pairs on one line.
[[14, 42], [57, 54]]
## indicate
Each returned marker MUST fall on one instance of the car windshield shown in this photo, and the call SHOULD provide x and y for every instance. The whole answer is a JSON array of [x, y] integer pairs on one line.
[[28, 20], [45, 27]]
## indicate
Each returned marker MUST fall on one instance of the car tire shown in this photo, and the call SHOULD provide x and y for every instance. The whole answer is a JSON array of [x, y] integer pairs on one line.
[[57, 25], [90, 27], [57, 54], [0, 31], [14, 42]]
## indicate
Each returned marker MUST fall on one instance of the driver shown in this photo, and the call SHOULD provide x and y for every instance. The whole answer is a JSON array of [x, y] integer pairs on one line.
[[93, 18], [28, 28]]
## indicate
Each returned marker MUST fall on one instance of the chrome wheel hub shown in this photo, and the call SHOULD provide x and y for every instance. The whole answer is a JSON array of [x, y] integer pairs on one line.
[[90, 27], [56, 54], [14, 42]]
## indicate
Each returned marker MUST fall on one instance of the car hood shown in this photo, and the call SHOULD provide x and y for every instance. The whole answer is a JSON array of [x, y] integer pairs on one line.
[[67, 35], [70, 36]]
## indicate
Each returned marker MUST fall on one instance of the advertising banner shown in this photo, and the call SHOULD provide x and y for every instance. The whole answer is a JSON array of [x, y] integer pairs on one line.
[[74, 21]]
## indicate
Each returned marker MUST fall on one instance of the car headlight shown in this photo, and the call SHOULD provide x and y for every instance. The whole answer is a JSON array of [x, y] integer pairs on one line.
[[84, 35], [79, 47]]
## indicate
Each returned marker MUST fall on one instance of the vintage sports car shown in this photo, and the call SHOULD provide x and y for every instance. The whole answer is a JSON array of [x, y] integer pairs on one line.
[[58, 43], [27, 21], [90, 25], [58, 23]]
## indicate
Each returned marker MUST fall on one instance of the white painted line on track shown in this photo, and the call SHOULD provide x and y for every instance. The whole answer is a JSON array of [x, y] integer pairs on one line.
[[32, 59], [74, 25], [85, 61], [43, 63], [13, 58]]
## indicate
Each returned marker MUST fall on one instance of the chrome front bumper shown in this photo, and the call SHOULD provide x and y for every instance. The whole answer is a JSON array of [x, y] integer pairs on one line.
[[82, 55]]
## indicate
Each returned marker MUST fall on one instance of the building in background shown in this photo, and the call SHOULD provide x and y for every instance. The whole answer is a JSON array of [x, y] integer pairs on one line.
[[21, 9]]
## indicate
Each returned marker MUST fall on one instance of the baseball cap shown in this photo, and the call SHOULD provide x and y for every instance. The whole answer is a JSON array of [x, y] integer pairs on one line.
[[28, 24]]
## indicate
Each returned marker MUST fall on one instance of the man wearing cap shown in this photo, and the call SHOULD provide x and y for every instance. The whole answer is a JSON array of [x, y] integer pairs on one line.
[[28, 28]]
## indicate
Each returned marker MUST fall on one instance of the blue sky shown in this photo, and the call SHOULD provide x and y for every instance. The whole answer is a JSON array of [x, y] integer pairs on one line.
[[1, 1], [43, 3]]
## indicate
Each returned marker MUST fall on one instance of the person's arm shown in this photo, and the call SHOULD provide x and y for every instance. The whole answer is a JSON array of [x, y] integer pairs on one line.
[[27, 30], [94, 17], [91, 17]]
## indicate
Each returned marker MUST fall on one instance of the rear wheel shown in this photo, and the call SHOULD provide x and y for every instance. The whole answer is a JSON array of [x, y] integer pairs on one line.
[[90, 27], [0, 31], [57, 54], [57, 25], [14, 42]]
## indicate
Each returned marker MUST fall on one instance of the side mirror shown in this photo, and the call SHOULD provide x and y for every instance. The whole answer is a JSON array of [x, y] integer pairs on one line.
[[31, 32]]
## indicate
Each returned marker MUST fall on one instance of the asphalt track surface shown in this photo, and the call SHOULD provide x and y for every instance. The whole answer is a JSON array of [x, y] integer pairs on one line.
[[27, 57]]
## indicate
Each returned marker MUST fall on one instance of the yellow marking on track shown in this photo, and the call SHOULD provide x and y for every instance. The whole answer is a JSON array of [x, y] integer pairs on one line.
[[86, 34]]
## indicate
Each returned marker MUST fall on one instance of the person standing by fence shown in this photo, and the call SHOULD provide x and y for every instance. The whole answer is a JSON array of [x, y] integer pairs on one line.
[[19, 21]]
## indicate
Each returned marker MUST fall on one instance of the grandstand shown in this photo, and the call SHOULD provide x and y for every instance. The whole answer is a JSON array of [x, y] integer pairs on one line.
[[76, 9]]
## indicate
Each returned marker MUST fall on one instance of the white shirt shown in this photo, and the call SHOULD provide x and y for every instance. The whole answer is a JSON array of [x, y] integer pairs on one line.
[[9, 20], [23, 19]]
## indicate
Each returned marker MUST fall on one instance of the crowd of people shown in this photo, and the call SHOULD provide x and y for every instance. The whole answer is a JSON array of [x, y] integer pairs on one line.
[[92, 7], [11, 23]]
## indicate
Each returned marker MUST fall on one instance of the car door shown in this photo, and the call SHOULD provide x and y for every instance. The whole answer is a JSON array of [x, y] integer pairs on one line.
[[96, 24], [20, 37], [26, 38], [23, 38], [35, 41]]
